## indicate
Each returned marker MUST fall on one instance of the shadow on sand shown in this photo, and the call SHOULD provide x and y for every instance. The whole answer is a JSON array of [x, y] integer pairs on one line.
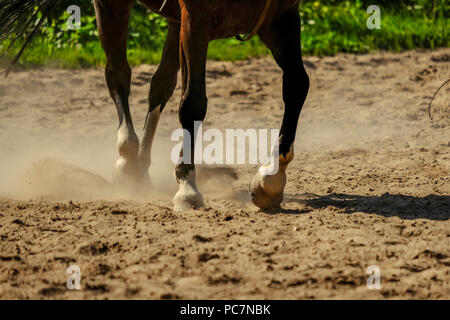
[[433, 207]]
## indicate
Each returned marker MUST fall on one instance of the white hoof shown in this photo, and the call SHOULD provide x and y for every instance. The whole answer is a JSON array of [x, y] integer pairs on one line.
[[267, 191], [188, 197], [190, 200], [130, 174], [267, 186]]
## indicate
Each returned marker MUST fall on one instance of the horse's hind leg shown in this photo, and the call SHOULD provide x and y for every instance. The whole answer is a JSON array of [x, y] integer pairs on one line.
[[283, 38], [112, 20], [162, 86], [194, 46]]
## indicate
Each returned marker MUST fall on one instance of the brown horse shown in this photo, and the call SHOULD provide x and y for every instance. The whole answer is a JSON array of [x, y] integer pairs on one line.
[[192, 25]]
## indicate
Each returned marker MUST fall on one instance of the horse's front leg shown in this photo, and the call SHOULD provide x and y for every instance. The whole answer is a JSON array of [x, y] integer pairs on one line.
[[283, 38], [193, 51], [162, 86], [112, 20]]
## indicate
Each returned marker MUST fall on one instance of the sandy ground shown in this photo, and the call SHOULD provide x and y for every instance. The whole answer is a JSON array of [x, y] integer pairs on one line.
[[370, 185]]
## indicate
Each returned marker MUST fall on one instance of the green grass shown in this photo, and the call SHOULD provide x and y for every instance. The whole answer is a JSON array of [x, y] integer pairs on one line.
[[91, 54], [327, 29], [233, 49]]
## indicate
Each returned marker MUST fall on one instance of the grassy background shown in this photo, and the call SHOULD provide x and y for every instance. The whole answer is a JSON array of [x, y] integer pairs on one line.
[[328, 27]]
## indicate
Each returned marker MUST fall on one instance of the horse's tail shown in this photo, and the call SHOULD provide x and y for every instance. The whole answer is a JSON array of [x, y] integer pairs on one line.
[[17, 18]]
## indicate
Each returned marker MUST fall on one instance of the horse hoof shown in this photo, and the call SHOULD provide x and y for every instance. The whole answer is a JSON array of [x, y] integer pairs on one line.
[[131, 175], [266, 191], [187, 199]]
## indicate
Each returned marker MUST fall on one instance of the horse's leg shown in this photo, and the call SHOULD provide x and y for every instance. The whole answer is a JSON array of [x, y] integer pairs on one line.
[[194, 47], [162, 86], [112, 19], [283, 38]]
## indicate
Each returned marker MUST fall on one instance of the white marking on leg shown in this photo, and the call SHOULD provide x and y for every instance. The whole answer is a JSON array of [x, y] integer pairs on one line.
[[148, 137], [127, 142], [128, 171], [188, 196]]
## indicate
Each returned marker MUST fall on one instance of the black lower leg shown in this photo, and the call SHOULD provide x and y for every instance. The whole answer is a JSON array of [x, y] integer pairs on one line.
[[118, 77], [194, 47], [192, 109], [284, 41], [164, 80], [113, 30]]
